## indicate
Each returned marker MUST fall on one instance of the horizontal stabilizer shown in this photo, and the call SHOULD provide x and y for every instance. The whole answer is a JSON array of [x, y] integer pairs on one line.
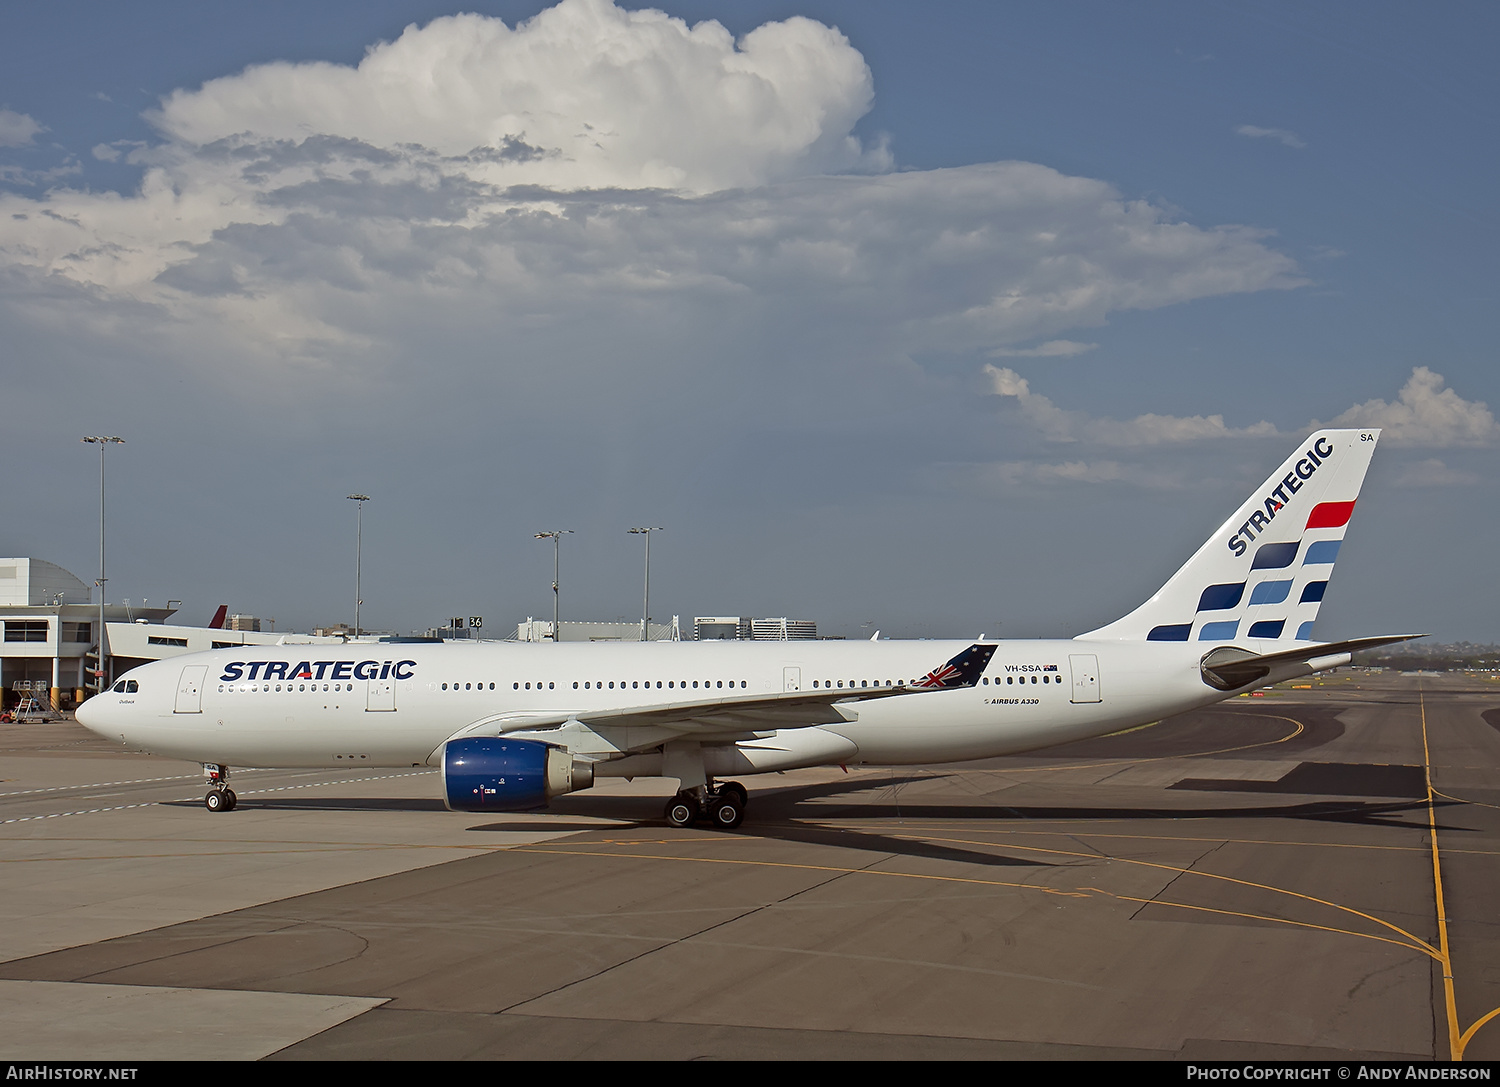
[[1229, 668]]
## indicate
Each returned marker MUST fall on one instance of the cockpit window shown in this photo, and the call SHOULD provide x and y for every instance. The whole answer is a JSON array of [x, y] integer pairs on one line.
[[119, 688], [131, 686]]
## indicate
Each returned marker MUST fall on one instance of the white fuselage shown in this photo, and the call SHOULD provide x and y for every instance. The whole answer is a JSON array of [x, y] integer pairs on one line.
[[395, 704]]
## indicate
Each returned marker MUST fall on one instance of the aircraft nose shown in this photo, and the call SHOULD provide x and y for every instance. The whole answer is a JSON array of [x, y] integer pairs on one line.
[[91, 714]]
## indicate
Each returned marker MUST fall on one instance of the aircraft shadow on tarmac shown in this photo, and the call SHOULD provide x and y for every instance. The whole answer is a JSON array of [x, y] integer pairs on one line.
[[1363, 812], [799, 814]]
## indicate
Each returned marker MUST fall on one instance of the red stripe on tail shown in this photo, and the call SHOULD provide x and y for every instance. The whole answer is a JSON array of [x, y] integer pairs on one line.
[[1330, 515]]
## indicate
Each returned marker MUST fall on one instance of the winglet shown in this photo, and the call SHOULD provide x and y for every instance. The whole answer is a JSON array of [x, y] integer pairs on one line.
[[963, 670]]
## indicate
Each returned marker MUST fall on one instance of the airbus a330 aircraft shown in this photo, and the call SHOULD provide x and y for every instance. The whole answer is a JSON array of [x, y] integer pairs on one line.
[[512, 724]]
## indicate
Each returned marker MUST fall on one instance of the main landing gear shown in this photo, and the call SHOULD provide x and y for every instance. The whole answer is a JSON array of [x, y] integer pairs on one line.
[[220, 796], [722, 805]]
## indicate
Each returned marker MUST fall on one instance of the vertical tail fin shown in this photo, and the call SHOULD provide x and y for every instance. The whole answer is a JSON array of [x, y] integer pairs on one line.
[[1261, 576]]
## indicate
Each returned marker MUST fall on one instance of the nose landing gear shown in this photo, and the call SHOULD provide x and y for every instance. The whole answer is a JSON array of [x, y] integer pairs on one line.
[[723, 805], [220, 796]]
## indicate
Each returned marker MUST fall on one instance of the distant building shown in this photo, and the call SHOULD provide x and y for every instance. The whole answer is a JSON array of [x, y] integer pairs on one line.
[[744, 628], [540, 630], [726, 628], [244, 622], [453, 631], [783, 630]]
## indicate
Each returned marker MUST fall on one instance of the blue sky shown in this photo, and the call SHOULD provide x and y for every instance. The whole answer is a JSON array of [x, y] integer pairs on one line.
[[772, 324]]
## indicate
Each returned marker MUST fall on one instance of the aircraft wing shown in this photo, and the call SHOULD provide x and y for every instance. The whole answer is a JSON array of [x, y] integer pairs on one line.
[[750, 712], [1229, 667]]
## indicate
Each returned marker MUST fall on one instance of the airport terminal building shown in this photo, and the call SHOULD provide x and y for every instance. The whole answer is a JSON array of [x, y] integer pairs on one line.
[[50, 643]]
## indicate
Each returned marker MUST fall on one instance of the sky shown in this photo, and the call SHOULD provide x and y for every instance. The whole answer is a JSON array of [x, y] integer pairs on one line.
[[936, 320]]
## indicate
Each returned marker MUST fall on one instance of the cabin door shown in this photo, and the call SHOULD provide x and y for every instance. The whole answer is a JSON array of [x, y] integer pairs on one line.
[[1085, 677], [190, 689], [380, 695]]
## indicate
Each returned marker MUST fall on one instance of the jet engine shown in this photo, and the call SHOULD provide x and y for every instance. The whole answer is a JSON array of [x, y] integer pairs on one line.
[[490, 773]]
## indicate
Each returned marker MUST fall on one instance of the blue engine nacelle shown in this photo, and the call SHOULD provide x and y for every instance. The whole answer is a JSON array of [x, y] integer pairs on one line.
[[492, 773]]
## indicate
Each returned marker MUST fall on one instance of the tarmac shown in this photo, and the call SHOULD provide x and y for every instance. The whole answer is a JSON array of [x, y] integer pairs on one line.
[[1308, 875]]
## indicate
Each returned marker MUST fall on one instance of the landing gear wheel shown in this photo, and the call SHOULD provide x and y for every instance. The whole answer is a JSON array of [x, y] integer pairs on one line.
[[737, 790], [230, 800], [216, 801], [681, 811], [728, 812]]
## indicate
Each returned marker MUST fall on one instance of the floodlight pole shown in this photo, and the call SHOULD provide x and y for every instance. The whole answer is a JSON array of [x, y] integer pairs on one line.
[[102, 441], [555, 535], [646, 597], [359, 547]]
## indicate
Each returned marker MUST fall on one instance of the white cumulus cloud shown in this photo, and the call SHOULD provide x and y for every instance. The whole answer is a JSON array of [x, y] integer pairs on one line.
[[591, 171], [17, 129], [1052, 349], [583, 95], [1434, 473], [1281, 135], [1012, 473], [1060, 425], [1426, 413]]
